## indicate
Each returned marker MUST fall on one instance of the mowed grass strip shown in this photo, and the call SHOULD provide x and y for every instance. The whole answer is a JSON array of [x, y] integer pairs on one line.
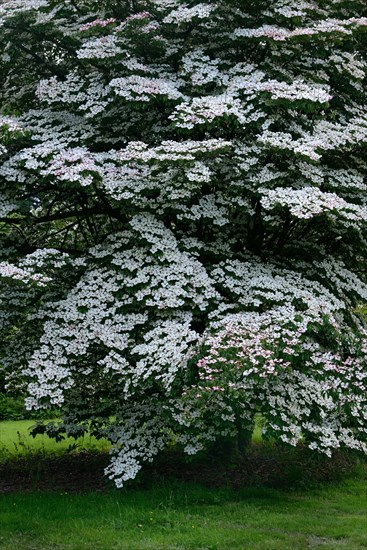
[[15, 440], [179, 516]]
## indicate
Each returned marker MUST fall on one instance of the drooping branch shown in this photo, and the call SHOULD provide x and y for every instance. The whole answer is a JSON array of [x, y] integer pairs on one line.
[[52, 67], [79, 213]]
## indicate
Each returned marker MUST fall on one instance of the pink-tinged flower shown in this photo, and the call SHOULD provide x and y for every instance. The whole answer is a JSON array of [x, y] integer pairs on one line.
[[138, 16], [97, 23]]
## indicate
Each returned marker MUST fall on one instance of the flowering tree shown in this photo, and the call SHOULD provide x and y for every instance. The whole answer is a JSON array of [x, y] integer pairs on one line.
[[183, 209]]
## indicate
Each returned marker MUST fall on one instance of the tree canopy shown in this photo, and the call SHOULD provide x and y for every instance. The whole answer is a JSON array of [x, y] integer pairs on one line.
[[183, 210]]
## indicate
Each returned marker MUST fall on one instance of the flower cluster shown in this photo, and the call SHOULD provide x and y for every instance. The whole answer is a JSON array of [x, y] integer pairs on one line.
[[140, 88], [97, 23], [88, 97], [320, 29], [310, 201], [15, 273], [185, 15], [298, 90]]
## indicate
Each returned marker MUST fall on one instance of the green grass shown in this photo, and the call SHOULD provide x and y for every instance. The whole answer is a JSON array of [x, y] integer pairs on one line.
[[15, 440], [186, 516], [173, 515]]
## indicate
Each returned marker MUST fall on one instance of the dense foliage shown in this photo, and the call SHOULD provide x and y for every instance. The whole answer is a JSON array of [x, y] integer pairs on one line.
[[12, 408], [183, 209]]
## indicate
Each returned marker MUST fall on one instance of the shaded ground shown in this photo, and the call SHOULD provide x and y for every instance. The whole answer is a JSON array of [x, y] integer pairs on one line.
[[70, 472], [262, 466], [28, 464]]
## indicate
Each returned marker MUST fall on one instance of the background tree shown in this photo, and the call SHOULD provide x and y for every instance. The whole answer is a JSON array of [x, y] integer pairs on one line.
[[183, 205]]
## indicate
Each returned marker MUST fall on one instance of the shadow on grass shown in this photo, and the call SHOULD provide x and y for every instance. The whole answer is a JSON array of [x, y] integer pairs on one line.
[[263, 465]]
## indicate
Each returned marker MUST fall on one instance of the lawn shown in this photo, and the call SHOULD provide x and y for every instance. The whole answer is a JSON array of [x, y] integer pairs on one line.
[[15, 440], [187, 516]]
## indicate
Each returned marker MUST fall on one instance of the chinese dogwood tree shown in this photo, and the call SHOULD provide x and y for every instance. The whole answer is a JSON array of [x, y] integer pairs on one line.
[[183, 218]]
